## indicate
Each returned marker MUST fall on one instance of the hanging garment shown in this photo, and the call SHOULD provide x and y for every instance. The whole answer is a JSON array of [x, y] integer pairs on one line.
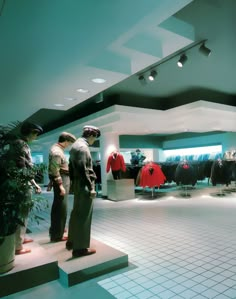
[[168, 169], [151, 176], [115, 162], [185, 174], [221, 172], [230, 155]]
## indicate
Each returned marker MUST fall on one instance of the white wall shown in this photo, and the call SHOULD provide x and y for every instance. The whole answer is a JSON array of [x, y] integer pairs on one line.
[[205, 140]]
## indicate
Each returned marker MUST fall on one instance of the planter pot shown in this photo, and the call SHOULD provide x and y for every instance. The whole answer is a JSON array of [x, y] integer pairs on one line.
[[7, 253]]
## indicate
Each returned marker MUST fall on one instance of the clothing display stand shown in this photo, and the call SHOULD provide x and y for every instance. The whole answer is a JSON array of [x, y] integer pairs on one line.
[[220, 192], [186, 193], [231, 189], [152, 191], [227, 190]]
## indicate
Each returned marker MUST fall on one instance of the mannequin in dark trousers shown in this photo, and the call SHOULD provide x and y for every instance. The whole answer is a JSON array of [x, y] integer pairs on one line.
[[58, 171], [83, 181]]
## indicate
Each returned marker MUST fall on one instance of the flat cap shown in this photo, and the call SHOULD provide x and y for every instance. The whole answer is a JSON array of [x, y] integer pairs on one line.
[[68, 136], [28, 127], [92, 129]]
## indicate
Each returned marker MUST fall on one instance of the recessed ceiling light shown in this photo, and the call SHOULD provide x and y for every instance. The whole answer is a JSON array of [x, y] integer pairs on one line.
[[98, 80], [82, 90], [59, 105], [70, 99]]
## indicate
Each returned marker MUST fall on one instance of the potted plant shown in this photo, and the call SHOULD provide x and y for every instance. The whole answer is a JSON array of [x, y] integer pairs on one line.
[[14, 184]]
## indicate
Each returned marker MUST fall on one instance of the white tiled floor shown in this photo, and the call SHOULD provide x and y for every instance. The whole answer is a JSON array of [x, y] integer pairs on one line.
[[178, 247]]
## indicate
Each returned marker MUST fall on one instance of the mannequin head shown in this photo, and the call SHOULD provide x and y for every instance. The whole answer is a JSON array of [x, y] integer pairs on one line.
[[30, 131], [91, 133]]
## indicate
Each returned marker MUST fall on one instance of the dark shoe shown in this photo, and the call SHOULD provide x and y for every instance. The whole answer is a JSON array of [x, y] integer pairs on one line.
[[83, 252], [22, 251], [59, 239], [69, 245], [27, 240]]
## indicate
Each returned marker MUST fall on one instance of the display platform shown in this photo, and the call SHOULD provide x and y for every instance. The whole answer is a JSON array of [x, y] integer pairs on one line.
[[51, 261], [105, 260], [31, 269], [120, 189], [76, 270]]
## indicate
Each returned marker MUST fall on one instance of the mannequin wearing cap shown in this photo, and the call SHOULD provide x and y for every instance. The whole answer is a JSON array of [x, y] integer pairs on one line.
[[21, 155], [137, 158], [58, 171], [83, 181]]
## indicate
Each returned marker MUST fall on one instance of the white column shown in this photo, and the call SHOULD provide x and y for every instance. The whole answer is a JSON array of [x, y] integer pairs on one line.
[[158, 155], [229, 143], [108, 142]]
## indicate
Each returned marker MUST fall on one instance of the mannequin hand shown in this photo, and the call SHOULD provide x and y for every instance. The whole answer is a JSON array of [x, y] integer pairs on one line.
[[93, 194], [62, 190], [38, 189]]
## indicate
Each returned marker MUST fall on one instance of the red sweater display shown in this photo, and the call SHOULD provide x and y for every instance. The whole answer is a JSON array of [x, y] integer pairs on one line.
[[151, 176], [115, 162]]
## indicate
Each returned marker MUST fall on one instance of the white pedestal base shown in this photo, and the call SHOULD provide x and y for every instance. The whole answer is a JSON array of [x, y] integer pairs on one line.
[[120, 189]]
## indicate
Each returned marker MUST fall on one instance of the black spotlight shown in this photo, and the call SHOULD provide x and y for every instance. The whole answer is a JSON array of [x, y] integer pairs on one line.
[[204, 50], [152, 75], [142, 80], [182, 60]]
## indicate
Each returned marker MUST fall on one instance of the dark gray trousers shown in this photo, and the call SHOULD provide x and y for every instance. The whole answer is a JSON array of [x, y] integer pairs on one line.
[[80, 218], [59, 209]]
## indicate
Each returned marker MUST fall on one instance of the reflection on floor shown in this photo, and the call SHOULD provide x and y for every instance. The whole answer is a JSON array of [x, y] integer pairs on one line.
[[178, 246]]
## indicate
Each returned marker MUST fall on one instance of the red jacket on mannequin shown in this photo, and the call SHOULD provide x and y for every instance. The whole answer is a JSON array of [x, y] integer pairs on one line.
[[115, 162]]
